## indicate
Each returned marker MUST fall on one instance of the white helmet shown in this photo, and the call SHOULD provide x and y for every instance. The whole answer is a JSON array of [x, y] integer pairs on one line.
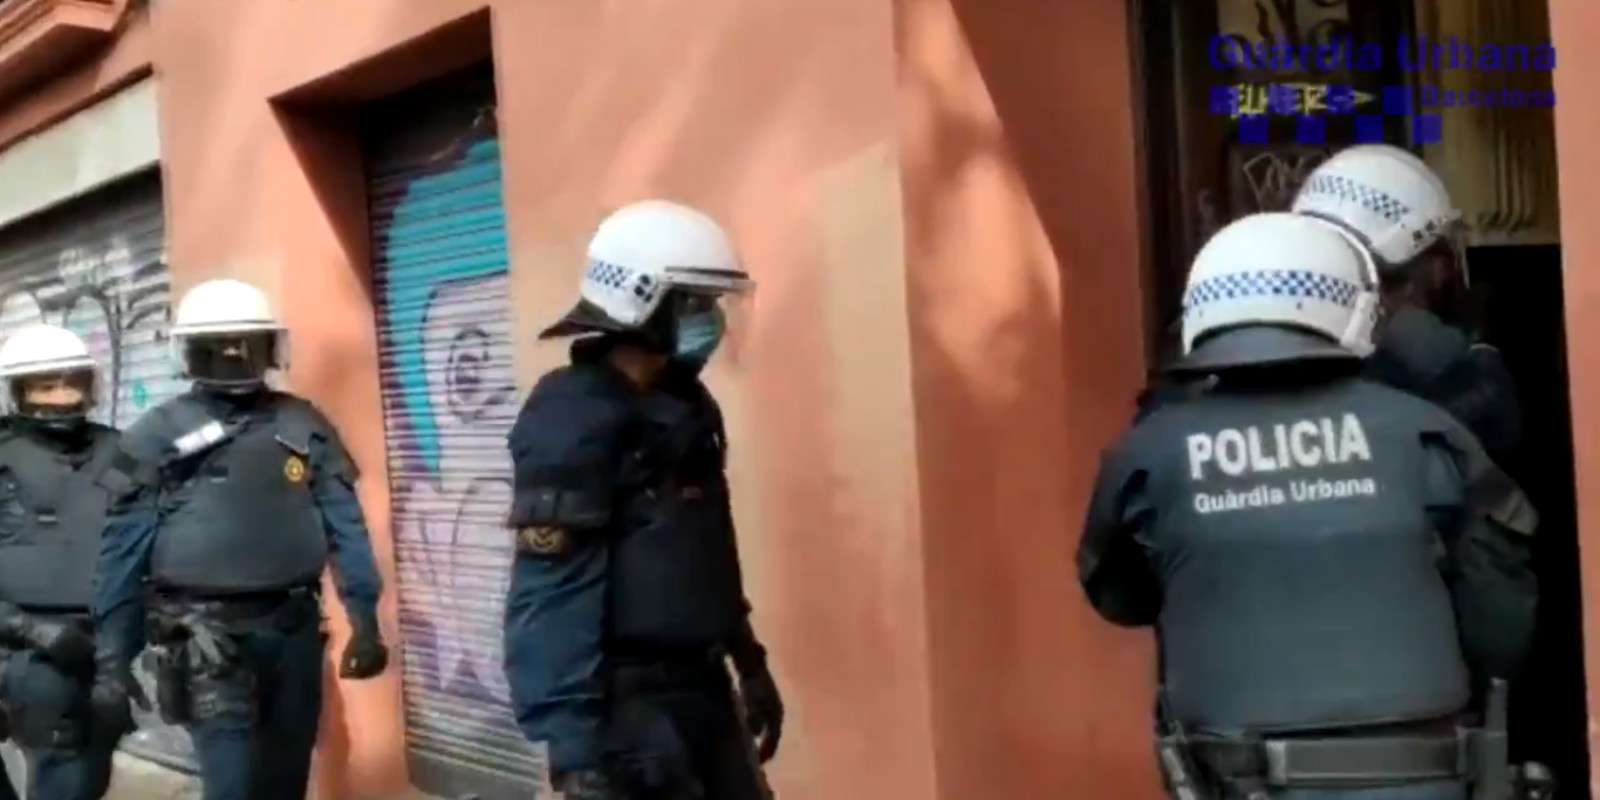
[[226, 308], [46, 350], [640, 253], [1304, 288], [1385, 195]]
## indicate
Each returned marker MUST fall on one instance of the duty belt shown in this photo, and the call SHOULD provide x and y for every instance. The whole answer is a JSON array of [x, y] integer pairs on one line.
[[1367, 760], [1248, 765], [634, 670], [284, 607]]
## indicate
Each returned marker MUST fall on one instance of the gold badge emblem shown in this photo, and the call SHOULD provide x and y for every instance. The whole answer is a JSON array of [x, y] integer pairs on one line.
[[542, 541], [294, 469]]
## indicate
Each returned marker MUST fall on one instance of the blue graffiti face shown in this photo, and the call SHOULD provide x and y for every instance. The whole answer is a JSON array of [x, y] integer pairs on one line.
[[411, 247], [445, 344]]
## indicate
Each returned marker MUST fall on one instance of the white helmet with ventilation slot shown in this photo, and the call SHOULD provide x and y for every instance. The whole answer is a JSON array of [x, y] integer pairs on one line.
[[1387, 197], [638, 255], [1278, 287], [40, 351], [227, 335]]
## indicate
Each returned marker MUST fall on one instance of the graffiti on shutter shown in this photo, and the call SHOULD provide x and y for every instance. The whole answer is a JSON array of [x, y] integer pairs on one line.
[[441, 281], [121, 308]]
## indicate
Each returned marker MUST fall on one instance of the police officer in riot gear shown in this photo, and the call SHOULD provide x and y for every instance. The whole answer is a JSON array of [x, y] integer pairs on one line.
[[626, 598], [231, 499], [51, 515], [1426, 343], [1337, 573]]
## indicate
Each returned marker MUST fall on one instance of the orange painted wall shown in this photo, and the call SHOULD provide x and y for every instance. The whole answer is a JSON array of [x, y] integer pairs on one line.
[[938, 198], [1574, 25], [1024, 272]]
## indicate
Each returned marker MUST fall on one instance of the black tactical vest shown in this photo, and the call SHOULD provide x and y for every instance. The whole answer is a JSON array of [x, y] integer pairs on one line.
[[52, 515], [674, 566], [237, 511], [1298, 563]]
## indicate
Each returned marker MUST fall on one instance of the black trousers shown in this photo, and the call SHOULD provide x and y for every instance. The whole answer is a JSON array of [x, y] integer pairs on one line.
[[68, 759], [675, 733], [254, 725]]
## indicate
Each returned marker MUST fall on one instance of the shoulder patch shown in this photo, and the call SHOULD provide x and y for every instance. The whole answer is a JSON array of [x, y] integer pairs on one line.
[[294, 469], [542, 540], [301, 425]]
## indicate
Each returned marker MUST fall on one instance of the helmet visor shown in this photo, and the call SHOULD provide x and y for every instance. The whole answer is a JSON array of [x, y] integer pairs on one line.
[[69, 394], [232, 360], [711, 321], [707, 279]]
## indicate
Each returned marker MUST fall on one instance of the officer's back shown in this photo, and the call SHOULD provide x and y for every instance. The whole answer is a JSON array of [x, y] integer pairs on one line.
[[1335, 570], [1294, 542]]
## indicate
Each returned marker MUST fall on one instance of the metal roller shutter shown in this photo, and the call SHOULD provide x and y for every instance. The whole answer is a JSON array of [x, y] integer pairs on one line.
[[98, 266], [444, 328]]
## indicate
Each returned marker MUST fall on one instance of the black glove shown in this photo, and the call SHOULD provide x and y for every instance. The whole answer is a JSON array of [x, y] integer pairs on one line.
[[113, 694], [65, 644], [587, 784], [1535, 781], [364, 655], [763, 707]]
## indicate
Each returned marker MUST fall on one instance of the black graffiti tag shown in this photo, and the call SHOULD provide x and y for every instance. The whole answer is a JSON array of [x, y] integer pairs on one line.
[[470, 388]]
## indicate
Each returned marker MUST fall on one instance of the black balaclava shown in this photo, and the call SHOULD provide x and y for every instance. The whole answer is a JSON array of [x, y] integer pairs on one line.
[[231, 365]]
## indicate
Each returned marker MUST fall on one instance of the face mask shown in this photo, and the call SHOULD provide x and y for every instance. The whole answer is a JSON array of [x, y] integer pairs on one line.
[[698, 336], [66, 430]]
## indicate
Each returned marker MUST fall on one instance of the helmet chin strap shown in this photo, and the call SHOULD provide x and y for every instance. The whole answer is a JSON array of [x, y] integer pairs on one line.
[[67, 430], [1357, 336], [235, 388]]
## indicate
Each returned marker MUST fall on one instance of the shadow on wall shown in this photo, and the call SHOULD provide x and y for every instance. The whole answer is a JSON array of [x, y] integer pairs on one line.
[[1027, 363]]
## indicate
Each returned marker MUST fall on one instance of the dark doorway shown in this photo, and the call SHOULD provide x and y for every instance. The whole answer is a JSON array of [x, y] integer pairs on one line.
[[1521, 289]]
